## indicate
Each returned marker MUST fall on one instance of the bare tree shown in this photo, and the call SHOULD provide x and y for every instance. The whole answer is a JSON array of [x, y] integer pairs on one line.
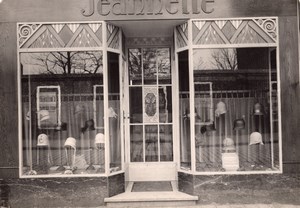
[[225, 59]]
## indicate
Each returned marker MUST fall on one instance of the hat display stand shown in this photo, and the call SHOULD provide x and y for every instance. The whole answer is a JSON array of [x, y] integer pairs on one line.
[[31, 171], [43, 154], [257, 149], [100, 151], [220, 119], [70, 151], [89, 131]]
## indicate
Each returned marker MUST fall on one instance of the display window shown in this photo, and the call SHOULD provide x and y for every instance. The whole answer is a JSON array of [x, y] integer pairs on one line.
[[229, 118], [69, 84], [63, 112]]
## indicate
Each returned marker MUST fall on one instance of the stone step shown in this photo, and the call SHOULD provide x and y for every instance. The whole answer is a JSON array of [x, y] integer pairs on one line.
[[148, 199]]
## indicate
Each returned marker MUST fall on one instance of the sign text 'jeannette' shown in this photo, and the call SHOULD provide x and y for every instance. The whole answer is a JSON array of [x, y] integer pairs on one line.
[[148, 7]]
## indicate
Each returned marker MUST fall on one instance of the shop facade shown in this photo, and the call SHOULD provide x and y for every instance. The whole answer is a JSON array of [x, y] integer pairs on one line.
[[99, 95]]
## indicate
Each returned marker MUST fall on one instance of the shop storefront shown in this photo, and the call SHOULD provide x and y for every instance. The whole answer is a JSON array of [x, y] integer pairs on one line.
[[109, 94]]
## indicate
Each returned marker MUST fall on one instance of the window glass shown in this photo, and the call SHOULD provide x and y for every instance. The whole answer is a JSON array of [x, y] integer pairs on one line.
[[62, 113], [114, 112], [184, 111], [236, 126]]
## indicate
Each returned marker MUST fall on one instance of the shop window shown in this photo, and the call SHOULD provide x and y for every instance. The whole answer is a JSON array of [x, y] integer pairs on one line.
[[184, 106], [63, 113], [114, 111], [235, 97]]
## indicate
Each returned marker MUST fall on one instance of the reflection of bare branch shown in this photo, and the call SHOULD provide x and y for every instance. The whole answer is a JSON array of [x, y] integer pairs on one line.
[[135, 61], [225, 59], [68, 62]]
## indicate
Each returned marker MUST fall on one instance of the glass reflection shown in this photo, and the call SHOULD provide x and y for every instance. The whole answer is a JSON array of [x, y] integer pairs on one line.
[[236, 128], [64, 89]]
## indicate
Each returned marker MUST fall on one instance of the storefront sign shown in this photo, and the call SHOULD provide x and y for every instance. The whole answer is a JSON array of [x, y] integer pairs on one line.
[[147, 7]]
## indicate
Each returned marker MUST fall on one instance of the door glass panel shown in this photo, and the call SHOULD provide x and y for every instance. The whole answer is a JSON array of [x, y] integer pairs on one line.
[[165, 104], [150, 107], [151, 143], [164, 66], [136, 104], [136, 143], [135, 66], [166, 142], [149, 66]]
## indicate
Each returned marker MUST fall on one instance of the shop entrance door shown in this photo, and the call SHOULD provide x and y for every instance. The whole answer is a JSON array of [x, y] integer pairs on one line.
[[149, 116]]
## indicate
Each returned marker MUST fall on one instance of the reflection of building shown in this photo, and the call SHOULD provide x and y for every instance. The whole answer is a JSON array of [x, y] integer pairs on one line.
[[163, 86]]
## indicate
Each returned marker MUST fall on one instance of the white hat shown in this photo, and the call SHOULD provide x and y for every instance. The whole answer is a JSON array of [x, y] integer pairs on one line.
[[112, 113], [99, 139], [221, 108], [44, 115], [43, 140], [70, 142], [228, 144], [255, 138], [28, 116]]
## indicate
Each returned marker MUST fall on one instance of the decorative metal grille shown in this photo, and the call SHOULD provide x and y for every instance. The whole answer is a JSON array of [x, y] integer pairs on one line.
[[246, 31], [60, 35], [182, 35], [113, 37]]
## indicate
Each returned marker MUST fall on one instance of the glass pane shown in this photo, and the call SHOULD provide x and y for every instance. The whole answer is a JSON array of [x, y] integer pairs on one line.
[[164, 66], [151, 143], [136, 143], [165, 104], [114, 112], [242, 134], [135, 66], [59, 93], [136, 104], [166, 143], [149, 66], [184, 114]]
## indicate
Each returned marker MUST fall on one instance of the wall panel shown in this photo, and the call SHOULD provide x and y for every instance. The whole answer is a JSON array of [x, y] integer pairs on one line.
[[8, 100], [290, 93]]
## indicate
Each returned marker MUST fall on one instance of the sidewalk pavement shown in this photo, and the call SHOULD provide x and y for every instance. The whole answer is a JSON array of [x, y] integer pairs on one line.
[[227, 206]]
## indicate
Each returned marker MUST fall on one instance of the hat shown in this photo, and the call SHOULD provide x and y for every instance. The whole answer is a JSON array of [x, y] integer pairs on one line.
[[211, 127], [239, 124], [43, 140], [99, 139], [258, 109], [221, 108], [28, 115], [228, 144], [89, 125], [203, 129], [112, 113], [44, 115], [255, 138], [70, 142]]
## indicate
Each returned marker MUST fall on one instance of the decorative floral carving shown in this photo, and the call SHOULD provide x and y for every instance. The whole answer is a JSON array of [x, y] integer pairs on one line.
[[269, 26], [25, 31]]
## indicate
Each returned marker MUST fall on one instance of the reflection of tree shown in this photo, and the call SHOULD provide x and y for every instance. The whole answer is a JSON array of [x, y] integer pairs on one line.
[[149, 62], [68, 62], [151, 58], [225, 59], [163, 61], [199, 63], [135, 62]]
